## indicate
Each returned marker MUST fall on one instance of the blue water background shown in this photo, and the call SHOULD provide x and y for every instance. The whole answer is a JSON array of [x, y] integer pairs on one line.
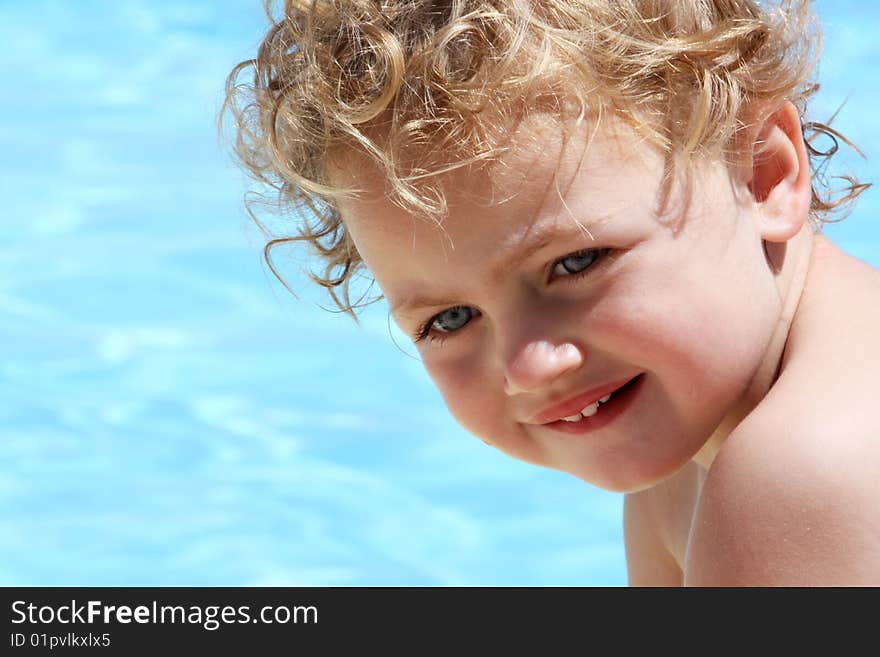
[[170, 416]]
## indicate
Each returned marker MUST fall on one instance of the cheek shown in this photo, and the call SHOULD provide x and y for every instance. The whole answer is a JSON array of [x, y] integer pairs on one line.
[[470, 398], [475, 397], [704, 334]]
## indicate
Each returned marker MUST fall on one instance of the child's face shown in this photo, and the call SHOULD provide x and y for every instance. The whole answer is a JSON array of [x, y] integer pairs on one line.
[[564, 281]]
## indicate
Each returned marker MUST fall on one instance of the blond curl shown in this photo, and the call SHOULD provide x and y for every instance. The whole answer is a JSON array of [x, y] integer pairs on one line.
[[424, 86]]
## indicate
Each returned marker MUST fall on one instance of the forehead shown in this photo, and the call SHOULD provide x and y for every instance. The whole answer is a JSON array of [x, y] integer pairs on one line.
[[551, 176], [542, 157]]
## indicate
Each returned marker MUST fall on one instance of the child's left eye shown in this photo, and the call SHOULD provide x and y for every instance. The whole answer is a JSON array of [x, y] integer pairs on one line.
[[577, 262]]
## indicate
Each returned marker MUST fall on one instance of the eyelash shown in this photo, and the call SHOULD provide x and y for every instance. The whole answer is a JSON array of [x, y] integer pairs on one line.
[[424, 330]]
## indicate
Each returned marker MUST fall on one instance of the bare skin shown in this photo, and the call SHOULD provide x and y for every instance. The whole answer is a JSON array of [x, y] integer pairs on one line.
[[827, 364], [749, 454]]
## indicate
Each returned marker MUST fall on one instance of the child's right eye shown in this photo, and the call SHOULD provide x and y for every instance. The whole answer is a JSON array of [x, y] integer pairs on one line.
[[447, 321]]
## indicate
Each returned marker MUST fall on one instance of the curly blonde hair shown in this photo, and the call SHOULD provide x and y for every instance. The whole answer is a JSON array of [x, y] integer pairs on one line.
[[424, 86]]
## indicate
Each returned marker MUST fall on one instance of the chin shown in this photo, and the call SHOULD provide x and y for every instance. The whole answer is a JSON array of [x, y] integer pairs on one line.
[[631, 479]]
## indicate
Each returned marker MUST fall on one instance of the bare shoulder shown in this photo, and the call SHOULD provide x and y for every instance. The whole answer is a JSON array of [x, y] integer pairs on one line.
[[793, 496], [846, 288], [789, 503]]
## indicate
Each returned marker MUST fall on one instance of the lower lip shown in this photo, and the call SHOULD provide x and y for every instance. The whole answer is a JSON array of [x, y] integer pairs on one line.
[[607, 412]]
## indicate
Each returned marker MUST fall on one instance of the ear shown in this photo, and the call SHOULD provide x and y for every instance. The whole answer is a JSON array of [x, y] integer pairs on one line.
[[780, 180]]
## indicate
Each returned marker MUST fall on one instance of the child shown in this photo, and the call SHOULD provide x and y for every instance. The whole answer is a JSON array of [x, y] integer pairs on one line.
[[599, 224]]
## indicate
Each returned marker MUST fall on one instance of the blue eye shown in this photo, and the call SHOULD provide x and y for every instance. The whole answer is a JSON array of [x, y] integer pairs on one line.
[[448, 321], [576, 262], [452, 319]]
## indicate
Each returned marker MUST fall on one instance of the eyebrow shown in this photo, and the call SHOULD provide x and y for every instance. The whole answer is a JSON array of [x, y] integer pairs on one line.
[[539, 240]]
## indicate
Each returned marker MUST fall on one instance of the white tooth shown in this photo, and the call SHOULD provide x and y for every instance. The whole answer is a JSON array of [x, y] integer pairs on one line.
[[590, 410], [604, 399], [573, 418]]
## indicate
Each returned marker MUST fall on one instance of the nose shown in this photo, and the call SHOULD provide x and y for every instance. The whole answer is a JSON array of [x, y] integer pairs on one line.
[[538, 363]]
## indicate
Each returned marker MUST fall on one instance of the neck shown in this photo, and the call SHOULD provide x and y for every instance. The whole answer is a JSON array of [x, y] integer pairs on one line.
[[790, 263]]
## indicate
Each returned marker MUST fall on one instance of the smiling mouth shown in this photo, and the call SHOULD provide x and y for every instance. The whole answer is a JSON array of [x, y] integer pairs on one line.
[[600, 412], [591, 410]]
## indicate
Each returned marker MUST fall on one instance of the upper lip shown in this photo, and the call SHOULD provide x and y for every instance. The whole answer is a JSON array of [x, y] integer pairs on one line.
[[576, 404]]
